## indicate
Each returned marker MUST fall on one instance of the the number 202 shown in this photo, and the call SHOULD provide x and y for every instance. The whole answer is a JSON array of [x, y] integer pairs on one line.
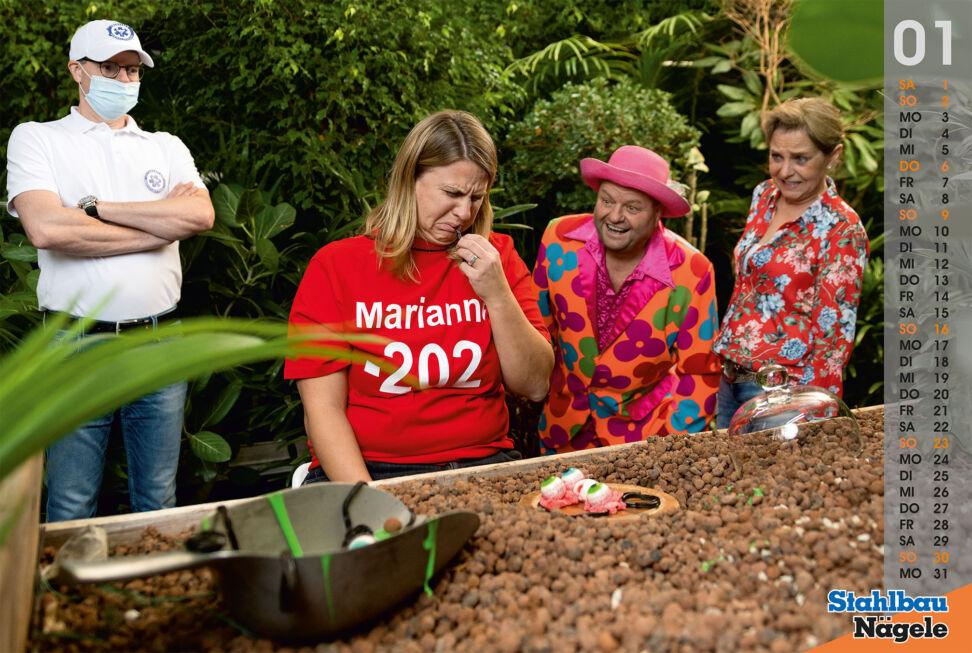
[[429, 351]]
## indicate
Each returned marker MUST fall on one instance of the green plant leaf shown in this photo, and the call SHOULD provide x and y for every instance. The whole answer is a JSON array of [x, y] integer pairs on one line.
[[750, 124], [228, 239], [838, 39], [864, 149], [227, 399], [14, 251], [734, 92], [850, 160], [731, 109], [207, 472], [48, 388], [271, 221], [500, 214], [210, 447], [251, 203], [268, 254], [225, 203], [753, 82]]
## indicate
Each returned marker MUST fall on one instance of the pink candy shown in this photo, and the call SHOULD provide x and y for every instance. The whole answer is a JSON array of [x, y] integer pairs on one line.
[[554, 494], [572, 487], [599, 498]]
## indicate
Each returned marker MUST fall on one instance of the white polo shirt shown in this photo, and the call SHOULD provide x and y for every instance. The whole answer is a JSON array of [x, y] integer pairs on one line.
[[75, 157]]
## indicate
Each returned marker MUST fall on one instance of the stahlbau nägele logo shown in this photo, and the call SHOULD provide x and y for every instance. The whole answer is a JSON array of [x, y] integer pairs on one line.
[[879, 625]]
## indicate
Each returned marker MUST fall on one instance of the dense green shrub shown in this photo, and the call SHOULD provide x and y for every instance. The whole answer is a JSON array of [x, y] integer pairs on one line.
[[316, 96], [590, 120]]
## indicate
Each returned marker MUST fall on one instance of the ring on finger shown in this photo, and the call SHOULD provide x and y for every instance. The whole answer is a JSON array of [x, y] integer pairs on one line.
[[473, 260]]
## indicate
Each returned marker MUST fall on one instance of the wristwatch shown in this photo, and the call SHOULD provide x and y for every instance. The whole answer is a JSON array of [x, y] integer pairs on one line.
[[89, 204]]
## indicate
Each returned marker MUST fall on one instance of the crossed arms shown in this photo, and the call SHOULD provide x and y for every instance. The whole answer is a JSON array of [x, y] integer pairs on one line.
[[124, 227]]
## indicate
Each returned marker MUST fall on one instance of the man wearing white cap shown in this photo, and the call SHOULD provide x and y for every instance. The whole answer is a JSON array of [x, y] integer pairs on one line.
[[632, 312], [106, 204]]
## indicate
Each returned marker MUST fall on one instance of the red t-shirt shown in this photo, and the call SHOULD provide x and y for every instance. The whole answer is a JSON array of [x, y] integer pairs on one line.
[[440, 397]]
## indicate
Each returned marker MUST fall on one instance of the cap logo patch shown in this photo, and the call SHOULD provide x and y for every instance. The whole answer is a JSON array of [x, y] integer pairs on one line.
[[154, 181], [121, 32]]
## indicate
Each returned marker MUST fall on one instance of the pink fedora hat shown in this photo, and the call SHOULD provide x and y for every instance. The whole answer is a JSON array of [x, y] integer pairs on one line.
[[639, 168]]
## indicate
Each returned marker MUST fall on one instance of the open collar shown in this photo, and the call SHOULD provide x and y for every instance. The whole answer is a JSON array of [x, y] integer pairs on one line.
[[655, 264], [78, 124], [815, 211]]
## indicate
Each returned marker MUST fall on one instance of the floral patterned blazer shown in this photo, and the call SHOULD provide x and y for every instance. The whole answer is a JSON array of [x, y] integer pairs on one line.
[[658, 375]]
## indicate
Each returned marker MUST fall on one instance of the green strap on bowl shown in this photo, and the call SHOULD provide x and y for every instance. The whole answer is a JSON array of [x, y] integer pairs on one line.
[[326, 573], [283, 520], [429, 544]]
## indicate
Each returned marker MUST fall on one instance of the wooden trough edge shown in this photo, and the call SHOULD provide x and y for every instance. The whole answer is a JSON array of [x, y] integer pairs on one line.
[[127, 529]]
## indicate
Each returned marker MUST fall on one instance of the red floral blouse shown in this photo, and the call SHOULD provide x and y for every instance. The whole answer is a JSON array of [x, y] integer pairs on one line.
[[796, 296]]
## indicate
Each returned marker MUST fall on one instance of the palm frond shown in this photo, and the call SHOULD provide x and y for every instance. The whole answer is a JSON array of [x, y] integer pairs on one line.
[[576, 56], [668, 28], [48, 386]]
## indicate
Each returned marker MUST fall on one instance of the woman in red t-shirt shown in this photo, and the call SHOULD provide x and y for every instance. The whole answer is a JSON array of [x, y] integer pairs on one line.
[[799, 263], [453, 311]]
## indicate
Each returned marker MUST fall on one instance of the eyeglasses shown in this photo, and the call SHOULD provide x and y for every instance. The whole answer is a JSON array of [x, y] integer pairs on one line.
[[110, 69]]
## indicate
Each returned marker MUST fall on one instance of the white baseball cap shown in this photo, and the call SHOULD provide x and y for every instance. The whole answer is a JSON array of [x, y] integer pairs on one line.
[[101, 40]]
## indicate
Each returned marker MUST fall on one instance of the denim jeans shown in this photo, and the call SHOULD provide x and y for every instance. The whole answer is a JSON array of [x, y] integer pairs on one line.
[[151, 427], [731, 396], [380, 471]]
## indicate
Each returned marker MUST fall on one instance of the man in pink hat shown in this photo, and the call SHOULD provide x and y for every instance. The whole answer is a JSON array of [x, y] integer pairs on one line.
[[106, 203], [631, 309]]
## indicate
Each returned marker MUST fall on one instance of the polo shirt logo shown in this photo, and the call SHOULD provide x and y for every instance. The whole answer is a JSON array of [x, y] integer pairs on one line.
[[154, 181], [121, 31]]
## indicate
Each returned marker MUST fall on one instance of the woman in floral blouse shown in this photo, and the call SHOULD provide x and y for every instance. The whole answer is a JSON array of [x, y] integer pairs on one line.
[[798, 263]]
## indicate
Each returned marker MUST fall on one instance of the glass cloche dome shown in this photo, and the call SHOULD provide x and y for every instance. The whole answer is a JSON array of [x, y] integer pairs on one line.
[[782, 408]]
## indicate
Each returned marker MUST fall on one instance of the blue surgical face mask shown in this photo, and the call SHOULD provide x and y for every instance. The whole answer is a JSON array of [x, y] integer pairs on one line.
[[110, 98]]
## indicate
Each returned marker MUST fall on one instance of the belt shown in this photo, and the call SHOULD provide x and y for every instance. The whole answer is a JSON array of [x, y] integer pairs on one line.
[[99, 326], [736, 373]]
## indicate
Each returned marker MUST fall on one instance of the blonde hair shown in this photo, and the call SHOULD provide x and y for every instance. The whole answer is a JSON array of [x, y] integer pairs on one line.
[[438, 140], [817, 117]]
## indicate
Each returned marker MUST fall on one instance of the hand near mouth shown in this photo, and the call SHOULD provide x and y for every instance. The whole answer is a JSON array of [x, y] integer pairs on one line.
[[481, 264], [452, 250]]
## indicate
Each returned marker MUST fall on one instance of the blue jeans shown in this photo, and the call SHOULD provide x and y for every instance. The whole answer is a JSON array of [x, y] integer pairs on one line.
[[731, 396], [379, 471], [152, 430]]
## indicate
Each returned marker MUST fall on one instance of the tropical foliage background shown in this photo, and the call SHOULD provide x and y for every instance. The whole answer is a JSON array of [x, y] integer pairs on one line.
[[293, 110]]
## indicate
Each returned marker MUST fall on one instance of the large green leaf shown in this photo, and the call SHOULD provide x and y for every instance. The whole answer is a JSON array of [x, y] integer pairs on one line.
[[225, 202], [251, 203], [18, 251], [268, 254], [271, 221], [839, 39], [211, 447]]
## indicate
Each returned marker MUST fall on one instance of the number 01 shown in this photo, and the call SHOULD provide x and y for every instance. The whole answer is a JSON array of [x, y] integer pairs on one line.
[[919, 54]]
